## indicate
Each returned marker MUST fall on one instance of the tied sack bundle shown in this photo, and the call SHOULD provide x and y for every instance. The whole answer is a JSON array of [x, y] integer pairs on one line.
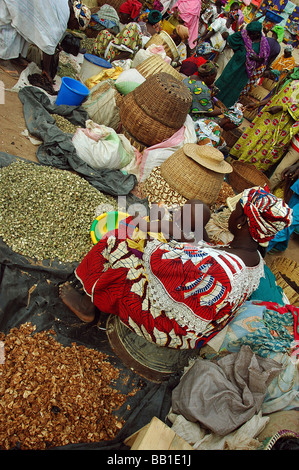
[[156, 109]]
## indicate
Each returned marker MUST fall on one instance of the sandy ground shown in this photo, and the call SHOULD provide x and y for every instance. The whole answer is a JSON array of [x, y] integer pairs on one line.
[[13, 142]]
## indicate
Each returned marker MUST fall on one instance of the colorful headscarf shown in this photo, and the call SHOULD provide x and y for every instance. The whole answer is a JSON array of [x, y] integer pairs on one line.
[[279, 30], [82, 14], [235, 114], [132, 8], [254, 26], [266, 214], [154, 16], [207, 69]]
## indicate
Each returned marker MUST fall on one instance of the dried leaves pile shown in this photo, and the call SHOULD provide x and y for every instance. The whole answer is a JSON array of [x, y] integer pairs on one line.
[[46, 213], [51, 395]]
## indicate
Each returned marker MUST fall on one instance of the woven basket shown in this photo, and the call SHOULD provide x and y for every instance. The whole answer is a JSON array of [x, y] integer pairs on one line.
[[163, 39], [231, 137], [286, 272], [269, 84], [259, 92], [143, 128], [165, 99], [249, 115], [190, 179], [245, 175], [156, 64], [138, 145]]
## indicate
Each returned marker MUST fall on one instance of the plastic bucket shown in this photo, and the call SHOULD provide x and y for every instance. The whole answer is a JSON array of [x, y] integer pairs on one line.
[[72, 92], [92, 65]]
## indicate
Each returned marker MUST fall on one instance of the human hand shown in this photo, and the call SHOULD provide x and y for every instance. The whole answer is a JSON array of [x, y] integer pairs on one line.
[[274, 109], [292, 172]]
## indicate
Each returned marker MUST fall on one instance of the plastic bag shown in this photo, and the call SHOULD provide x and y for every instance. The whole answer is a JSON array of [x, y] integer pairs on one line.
[[128, 81], [102, 147]]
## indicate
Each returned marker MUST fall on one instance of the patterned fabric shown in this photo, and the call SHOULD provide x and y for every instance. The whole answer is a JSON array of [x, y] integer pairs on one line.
[[268, 137], [201, 97], [263, 54], [178, 295], [82, 14], [265, 330], [266, 214], [129, 39], [131, 7], [209, 133], [156, 189], [283, 64]]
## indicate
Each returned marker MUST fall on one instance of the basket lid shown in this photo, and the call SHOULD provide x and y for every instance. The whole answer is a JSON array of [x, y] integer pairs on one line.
[[208, 156]]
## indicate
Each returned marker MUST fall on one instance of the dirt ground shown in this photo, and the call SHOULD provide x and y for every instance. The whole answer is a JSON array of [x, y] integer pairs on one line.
[[13, 142]]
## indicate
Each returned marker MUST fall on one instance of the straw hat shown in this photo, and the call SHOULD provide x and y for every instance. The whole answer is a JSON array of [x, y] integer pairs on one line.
[[196, 172], [209, 157]]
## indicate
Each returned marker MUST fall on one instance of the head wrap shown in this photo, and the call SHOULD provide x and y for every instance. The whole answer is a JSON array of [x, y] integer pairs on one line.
[[131, 7], [154, 17], [289, 48], [279, 30], [266, 214], [82, 14], [182, 31], [207, 69], [235, 114], [254, 27]]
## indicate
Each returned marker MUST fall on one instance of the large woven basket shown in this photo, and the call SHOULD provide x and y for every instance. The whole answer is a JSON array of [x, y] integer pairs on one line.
[[163, 39], [138, 145], [269, 84], [231, 137], [145, 129], [286, 272], [156, 64], [245, 175], [249, 114], [259, 92], [165, 99], [190, 179]]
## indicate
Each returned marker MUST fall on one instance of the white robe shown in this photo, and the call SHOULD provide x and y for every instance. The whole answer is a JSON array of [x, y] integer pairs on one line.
[[25, 22]]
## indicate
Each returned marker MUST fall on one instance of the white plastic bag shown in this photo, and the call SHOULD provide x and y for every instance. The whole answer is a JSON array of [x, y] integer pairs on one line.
[[102, 147]]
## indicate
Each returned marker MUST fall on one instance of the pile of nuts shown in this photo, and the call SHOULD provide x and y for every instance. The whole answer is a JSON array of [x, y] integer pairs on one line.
[[64, 124], [46, 213], [51, 395]]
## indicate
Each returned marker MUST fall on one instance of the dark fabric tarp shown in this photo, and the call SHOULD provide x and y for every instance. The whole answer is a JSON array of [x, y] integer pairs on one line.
[[44, 309], [57, 148]]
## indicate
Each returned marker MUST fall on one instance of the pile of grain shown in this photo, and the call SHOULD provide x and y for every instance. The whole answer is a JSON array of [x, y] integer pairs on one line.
[[46, 213], [51, 395]]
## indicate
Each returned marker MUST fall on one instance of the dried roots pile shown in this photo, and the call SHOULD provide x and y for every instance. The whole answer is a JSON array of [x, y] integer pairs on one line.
[[52, 395], [46, 213]]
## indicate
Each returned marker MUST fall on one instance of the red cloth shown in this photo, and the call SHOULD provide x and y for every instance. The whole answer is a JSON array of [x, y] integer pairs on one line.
[[193, 60], [131, 7]]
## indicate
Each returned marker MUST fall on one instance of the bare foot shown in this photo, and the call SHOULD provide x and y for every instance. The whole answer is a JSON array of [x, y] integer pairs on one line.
[[80, 305]]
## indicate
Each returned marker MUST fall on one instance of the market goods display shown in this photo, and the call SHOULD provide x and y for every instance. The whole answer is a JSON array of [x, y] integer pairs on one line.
[[46, 213], [52, 395]]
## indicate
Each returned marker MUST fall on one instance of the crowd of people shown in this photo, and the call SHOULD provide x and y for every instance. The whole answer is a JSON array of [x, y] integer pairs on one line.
[[176, 291]]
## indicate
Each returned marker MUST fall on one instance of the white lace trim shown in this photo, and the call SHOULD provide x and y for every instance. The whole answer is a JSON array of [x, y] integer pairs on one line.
[[243, 282]]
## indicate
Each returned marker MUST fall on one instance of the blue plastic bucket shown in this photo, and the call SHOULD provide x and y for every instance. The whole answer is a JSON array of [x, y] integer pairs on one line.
[[72, 92]]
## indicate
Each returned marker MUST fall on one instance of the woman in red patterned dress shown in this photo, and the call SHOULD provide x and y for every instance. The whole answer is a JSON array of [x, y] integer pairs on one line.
[[179, 294]]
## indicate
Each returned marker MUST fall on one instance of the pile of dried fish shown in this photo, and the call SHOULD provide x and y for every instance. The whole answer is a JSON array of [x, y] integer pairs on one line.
[[46, 213], [52, 395], [64, 124]]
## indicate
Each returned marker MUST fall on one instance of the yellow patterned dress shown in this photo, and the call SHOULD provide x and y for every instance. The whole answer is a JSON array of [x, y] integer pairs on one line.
[[268, 137]]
